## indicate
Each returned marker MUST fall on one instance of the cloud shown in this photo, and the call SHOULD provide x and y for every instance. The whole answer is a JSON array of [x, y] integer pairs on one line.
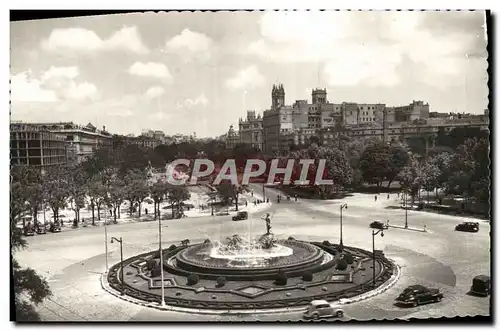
[[192, 41], [24, 88], [80, 39], [120, 113], [154, 92], [81, 91], [68, 72], [200, 100], [246, 78], [150, 69], [368, 47]]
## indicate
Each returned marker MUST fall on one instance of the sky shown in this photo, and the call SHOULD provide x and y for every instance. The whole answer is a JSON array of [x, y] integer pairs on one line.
[[185, 72]]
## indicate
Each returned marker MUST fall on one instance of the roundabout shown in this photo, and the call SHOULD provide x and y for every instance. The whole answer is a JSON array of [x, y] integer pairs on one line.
[[318, 271], [73, 263]]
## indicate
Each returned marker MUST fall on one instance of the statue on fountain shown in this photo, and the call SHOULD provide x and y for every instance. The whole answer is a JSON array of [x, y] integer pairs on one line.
[[267, 218]]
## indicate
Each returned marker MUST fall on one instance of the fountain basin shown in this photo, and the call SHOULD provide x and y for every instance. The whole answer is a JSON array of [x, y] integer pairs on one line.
[[289, 256]]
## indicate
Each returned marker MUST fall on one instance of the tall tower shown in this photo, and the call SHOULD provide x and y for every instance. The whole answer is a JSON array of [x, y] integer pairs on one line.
[[278, 96], [319, 96]]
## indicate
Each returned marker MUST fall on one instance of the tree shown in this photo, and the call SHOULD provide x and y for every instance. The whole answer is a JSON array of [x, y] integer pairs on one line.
[[398, 158], [137, 188], [77, 186], [228, 193], [29, 287], [176, 194], [97, 195], [31, 179], [116, 196], [374, 163], [56, 189], [412, 178], [158, 191]]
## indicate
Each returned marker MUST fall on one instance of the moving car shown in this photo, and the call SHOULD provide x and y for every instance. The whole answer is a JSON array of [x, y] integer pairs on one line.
[[468, 227], [55, 227], [417, 295], [378, 225], [241, 215], [481, 286], [40, 228], [322, 309]]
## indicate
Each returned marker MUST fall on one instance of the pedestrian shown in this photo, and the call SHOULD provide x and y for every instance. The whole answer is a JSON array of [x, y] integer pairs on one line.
[[295, 196], [246, 204], [255, 202], [267, 200], [375, 198], [398, 195], [252, 194], [388, 195], [146, 211]]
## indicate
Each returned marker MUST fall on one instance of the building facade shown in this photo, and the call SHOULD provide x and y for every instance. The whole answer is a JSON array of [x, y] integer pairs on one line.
[[34, 146], [251, 130], [232, 138]]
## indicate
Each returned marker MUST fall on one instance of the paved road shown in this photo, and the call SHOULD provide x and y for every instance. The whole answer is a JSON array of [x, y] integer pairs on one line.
[[72, 261]]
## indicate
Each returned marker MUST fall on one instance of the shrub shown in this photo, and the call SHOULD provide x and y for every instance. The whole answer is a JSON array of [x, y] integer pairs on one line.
[[307, 276], [291, 238], [156, 255], [326, 243], [156, 272], [341, 265], [151, 264], [207, 241], [193, 279], [281, 278], [221, 281], [171, 248], [348, 258]]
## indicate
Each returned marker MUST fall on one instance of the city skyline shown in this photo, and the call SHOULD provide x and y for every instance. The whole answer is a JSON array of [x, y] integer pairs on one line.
[[199, 75]]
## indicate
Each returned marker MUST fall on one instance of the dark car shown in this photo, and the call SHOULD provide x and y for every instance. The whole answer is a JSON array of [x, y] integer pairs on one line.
[[28, 230], [40, 229], [55, 227], [481, 286], [241, 215], [378, 225], [468, 227], [417, 295]]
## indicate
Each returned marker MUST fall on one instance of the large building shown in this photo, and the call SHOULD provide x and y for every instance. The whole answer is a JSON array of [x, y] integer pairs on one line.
[[285, 125], [35, 146], [232, 138], [82, 141], [251, 131]]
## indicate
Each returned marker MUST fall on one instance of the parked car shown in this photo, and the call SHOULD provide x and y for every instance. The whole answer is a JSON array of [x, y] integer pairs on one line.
[[55, 227], [241, 215], [378, 225], [481, 286], [417, 295], [28, 230], [468, 227], [40, 228], [322, 309]]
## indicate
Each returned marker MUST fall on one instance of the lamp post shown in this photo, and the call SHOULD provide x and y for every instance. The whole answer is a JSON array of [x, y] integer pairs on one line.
[[162, 303], [106, 240], [264, 191], [406, 210], [373, 250], [121, 261], [343, 206]]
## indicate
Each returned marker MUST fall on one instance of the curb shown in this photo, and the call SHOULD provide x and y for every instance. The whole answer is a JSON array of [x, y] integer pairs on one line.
[[361, 297], [411, 229]]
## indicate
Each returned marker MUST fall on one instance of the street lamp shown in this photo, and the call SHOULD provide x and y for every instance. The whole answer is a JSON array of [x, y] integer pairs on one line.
[[343, 206], [373, 250], [406, 210], [106, 240], [121, 261], [162, 303], [264, 191]]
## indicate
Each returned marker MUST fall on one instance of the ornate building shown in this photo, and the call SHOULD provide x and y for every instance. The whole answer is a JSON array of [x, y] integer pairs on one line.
[[251, 130]]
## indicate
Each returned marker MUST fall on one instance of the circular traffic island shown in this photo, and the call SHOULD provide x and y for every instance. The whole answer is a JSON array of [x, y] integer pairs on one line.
[[242, 276]]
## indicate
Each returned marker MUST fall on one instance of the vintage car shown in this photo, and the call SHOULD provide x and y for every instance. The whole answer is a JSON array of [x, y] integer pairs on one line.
[[241, 215], [417, 295], [322, 309], [378, 225], [481, 286], [468, 227], [41, 229], [55, 227], [29, 230]]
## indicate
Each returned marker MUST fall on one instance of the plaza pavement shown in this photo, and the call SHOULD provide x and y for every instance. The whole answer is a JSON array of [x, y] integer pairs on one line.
[[72, 261]]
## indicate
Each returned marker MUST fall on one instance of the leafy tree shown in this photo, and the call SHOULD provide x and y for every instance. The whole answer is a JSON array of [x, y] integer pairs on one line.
[[176, 194], [97, 194], [398, 158], [56, 189], [412, 178], [157, 191], [77, 186], [116, 196], [229, 193], [29, 288], [374, 163], [137, 188], [31, 179]]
